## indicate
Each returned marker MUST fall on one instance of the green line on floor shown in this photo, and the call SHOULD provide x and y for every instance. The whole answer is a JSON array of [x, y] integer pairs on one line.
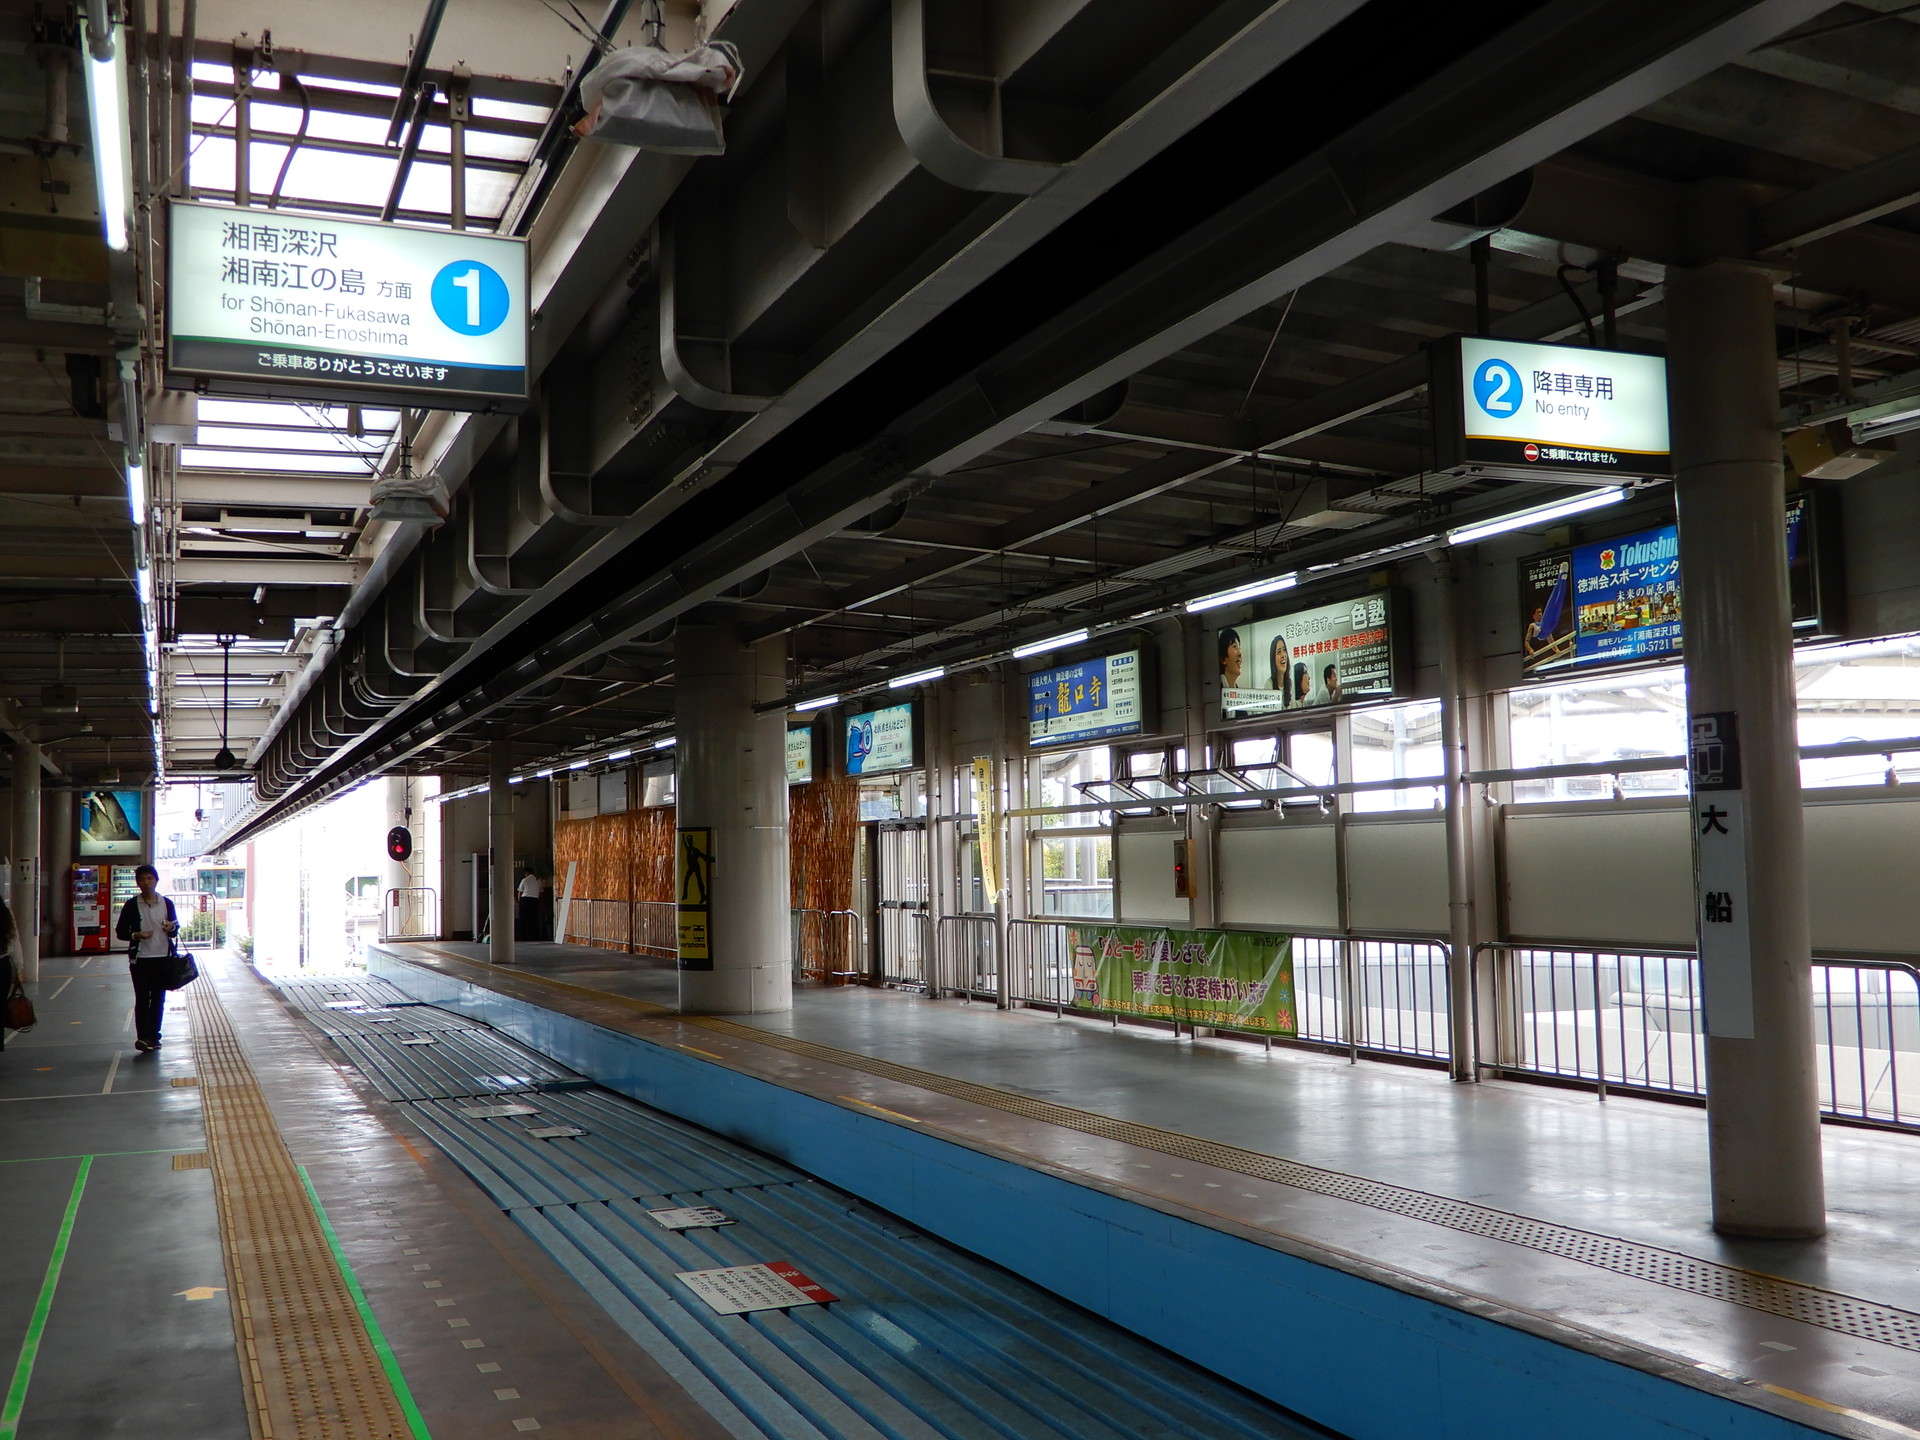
[[97, 1155], [415, 1421], [37, 1327]]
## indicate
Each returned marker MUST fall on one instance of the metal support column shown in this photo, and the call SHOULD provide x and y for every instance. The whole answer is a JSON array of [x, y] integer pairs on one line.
[[26, 859], [500, 853], [56, 865], [1763, 1114], [732, 864], [1460, 819]]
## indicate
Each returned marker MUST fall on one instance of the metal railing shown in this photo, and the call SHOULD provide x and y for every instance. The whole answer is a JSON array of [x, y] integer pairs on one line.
[[1633, 1020], [1375, 995], [906, 944], [410, 913], [967, 959], [826, 946]]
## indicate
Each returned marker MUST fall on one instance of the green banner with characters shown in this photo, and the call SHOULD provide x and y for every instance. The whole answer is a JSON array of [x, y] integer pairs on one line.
[[1199, 977]]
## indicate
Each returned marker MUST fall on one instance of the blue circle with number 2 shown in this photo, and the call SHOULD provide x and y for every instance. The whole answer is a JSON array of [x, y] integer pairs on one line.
[[470, 298], [1496, 386]]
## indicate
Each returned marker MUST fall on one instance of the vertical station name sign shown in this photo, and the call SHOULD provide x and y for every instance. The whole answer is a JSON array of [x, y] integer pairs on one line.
[[1720, 870], [1568, 408], [261, 302]]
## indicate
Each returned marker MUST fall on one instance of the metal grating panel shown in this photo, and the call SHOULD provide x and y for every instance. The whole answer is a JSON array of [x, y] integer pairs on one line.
[[456, 1063], [1790, 1299]]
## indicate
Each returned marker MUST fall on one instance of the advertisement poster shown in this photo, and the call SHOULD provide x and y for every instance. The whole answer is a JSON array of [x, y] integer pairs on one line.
[[1199, 977], [110, 823], [799, 754], [335, 304], [1085, 701], [1559, 407], [1616, 601], [880, 740], [1329, 655]]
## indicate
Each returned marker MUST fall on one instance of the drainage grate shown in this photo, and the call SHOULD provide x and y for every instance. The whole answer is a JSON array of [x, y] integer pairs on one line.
[[311, 1367], [1789, 1299]]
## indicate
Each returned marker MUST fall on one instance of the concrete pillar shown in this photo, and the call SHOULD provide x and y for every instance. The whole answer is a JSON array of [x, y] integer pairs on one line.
[[26, 859], [1763, 1116], [57, 863], [500, 853], [732, 865]]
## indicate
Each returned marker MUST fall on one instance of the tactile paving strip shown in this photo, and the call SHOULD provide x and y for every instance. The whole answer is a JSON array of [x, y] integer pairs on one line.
[[311, 1367], [1789, 1299]]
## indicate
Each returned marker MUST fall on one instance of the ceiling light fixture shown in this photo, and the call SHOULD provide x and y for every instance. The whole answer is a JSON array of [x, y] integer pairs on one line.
[[818, 704], [107, 118], [919, 677], [1041, 647], [1538, 515], [1242, 592]]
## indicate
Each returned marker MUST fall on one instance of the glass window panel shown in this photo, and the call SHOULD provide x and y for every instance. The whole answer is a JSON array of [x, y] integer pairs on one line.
[[1256, 750], [1075, 875], [1858, 692], [1622, 717], [1052, 778], [1146, 762], [1397, 742], [1310, 755]]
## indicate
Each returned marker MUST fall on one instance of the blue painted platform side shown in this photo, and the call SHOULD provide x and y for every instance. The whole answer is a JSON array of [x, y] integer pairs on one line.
[[1360, 1357]]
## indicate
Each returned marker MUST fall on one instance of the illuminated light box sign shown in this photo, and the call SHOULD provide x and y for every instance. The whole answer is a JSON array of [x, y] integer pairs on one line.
[[1616, 602], [799, 754], [1086, 701], [1308, 659], [110, 823], [266, 303], [1524, 407], [879, 741]]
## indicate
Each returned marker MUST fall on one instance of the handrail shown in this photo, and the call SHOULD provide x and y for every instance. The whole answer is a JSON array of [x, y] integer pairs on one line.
[[391, 904]]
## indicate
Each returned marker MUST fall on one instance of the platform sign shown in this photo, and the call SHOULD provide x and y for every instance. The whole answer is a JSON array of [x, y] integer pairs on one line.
[[738, 1289], [799, 754], [880, 740], [262, 302], [1232, 978], [1308, 659], [693, 890], [1089, 700], [1567, 408], [1720, 873]]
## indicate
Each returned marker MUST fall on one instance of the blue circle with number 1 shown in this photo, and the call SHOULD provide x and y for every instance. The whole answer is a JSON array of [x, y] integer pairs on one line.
[[470, 298], [1496, 388]]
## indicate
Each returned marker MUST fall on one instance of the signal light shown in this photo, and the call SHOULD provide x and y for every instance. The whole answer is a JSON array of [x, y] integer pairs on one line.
[[399, 844]]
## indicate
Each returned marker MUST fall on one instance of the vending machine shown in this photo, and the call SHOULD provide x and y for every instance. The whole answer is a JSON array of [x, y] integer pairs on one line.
[[124, 888], [92, 926]]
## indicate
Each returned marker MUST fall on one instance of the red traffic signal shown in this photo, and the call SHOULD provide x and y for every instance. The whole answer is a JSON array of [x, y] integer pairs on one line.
[[399, 844]]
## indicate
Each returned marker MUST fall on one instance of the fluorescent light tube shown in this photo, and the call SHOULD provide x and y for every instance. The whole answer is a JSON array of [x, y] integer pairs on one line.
[[619, 754], [667, 744], [112, 157], [542, 774], [579, 764], [1041, 647], [919, 677], [137, 492], [1539, 515], [1243, 592], [820, 704]]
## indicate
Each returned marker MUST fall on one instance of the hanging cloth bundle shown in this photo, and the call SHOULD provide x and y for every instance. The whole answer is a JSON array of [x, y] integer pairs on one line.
[[655, 100]]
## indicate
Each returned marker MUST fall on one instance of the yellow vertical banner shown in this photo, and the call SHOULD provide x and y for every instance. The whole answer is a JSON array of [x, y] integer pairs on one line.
[[693, 895], [987, 834]]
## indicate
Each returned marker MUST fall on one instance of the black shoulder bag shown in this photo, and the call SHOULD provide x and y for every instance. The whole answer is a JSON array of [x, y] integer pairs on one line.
[[181, 971]]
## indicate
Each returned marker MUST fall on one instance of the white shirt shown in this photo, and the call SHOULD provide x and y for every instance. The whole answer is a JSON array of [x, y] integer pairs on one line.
[[153, 916], [530, 887]]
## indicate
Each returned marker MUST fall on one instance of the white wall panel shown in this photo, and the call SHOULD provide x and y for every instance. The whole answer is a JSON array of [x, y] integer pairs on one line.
[[1397, 874], [1145, 879], [1279, 875], [1603, 876], [1862, 892]]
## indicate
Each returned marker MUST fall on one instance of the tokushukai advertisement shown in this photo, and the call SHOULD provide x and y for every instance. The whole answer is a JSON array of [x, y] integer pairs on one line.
[[1237, 979], [1604, 603]]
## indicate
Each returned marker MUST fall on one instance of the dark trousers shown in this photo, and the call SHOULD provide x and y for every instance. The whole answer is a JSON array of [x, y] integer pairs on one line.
[[149, 998]]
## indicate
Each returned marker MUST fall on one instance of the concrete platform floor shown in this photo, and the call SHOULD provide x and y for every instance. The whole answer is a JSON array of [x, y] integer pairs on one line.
[[1630, 1168]]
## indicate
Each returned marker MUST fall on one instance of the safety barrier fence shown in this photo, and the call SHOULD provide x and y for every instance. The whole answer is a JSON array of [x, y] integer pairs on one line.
[[826, 946], [966, 957], [1634, 1020], [634, 927], [1376, 995], [906, 944], [410, 912]]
